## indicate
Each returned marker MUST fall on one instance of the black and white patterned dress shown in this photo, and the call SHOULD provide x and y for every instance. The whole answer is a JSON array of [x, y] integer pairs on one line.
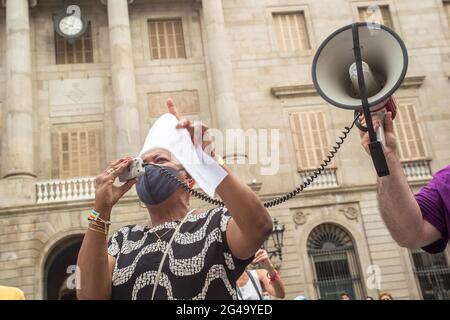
[[199, 264]]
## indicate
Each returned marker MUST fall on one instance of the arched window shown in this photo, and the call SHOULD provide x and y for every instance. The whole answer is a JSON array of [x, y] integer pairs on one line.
[[433, 274], [334, 262]]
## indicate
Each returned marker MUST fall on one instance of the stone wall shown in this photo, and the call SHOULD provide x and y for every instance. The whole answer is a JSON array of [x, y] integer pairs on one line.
[[29, 232]]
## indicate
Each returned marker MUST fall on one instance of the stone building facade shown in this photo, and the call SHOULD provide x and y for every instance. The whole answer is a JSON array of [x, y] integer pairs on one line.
[[67, 109]]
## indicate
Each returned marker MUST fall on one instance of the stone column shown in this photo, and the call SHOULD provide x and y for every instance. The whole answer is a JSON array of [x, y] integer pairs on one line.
[[18, 137], [126, 115], [226, 109]]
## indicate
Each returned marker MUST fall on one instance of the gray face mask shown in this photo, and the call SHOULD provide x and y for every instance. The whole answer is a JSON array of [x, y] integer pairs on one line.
[[153, 187]]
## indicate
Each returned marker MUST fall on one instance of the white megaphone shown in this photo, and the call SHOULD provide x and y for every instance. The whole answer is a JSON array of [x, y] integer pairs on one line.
[[359, 67]]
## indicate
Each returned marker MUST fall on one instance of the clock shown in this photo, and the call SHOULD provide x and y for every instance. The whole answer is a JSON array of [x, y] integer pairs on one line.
[[70, 24]]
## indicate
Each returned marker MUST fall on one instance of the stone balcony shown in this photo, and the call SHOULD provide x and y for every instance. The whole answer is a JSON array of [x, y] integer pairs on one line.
[[417, 170], [83, 188], [65, 190], [326, 180]]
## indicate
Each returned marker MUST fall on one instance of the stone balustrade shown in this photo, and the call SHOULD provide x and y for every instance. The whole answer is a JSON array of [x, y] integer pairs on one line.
[[65, 190]]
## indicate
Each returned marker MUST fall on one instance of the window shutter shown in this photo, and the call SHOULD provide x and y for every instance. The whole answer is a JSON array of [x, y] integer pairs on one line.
[[410, 139], [56, 154], [95, 154], [310, 138], [166, 39], [291, 31], [77, 152]]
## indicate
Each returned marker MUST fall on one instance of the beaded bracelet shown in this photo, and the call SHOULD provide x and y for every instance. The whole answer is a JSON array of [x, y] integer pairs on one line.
[[99, 230], [98, 226], [95, 216]]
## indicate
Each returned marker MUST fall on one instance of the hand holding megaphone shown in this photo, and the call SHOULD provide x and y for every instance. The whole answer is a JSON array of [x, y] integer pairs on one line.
[[383, 119], [359, 68], [378, 116]]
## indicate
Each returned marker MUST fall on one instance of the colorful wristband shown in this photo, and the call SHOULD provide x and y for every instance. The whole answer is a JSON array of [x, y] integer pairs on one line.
[[95, 216]]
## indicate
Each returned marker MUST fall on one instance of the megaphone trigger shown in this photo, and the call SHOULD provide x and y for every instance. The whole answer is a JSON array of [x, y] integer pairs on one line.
[[380, 130], [389, 106]]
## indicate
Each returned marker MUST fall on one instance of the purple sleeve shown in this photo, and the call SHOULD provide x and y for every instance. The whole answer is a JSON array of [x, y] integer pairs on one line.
[[432, 208]]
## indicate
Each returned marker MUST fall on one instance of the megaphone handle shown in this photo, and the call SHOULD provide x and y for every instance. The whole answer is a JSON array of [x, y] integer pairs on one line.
[[380, 131]]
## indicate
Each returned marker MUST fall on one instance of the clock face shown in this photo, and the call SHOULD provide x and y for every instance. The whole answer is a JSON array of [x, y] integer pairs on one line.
[[71, 25]]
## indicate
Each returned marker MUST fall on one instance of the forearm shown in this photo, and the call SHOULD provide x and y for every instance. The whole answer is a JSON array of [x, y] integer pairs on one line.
[[276, 286], [95, 277], [246, 208], [399, 208]]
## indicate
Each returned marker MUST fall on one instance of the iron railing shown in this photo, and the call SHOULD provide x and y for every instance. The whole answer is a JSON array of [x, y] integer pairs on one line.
[[335, 272], [432, 274]]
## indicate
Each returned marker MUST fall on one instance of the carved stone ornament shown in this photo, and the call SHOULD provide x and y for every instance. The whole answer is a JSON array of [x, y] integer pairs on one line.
[[299, 218], [350, 212]]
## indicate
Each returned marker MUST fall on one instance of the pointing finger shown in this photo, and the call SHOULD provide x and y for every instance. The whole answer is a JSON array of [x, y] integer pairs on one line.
[[172, 109]]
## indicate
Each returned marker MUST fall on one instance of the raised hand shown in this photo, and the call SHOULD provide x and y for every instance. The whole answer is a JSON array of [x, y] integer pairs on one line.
[[197, 130], [391, 139], [263, 259], [106, 194]]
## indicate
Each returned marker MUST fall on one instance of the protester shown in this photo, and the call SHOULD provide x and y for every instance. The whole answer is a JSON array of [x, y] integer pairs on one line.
[[261, 284], [345, 296], [416, 221], [385, 296], [210, 249]]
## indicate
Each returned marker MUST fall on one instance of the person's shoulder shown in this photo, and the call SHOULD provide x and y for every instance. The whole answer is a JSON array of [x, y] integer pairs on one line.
[[440, 179], [220, 211], [443, 173], [11, 293], [125, 230], [206, 218], [132, 231], [199, 215], [132, 228]]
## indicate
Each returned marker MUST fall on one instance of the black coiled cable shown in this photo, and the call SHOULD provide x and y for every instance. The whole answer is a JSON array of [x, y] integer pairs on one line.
[[279, 200], [317, 172], [195, 193]]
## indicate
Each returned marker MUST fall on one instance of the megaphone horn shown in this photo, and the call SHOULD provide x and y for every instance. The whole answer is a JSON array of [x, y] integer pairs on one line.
[[385, 62], [359, 67]]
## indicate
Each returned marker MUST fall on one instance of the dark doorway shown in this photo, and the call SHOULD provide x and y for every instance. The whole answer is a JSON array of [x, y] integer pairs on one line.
[[59, 267]]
